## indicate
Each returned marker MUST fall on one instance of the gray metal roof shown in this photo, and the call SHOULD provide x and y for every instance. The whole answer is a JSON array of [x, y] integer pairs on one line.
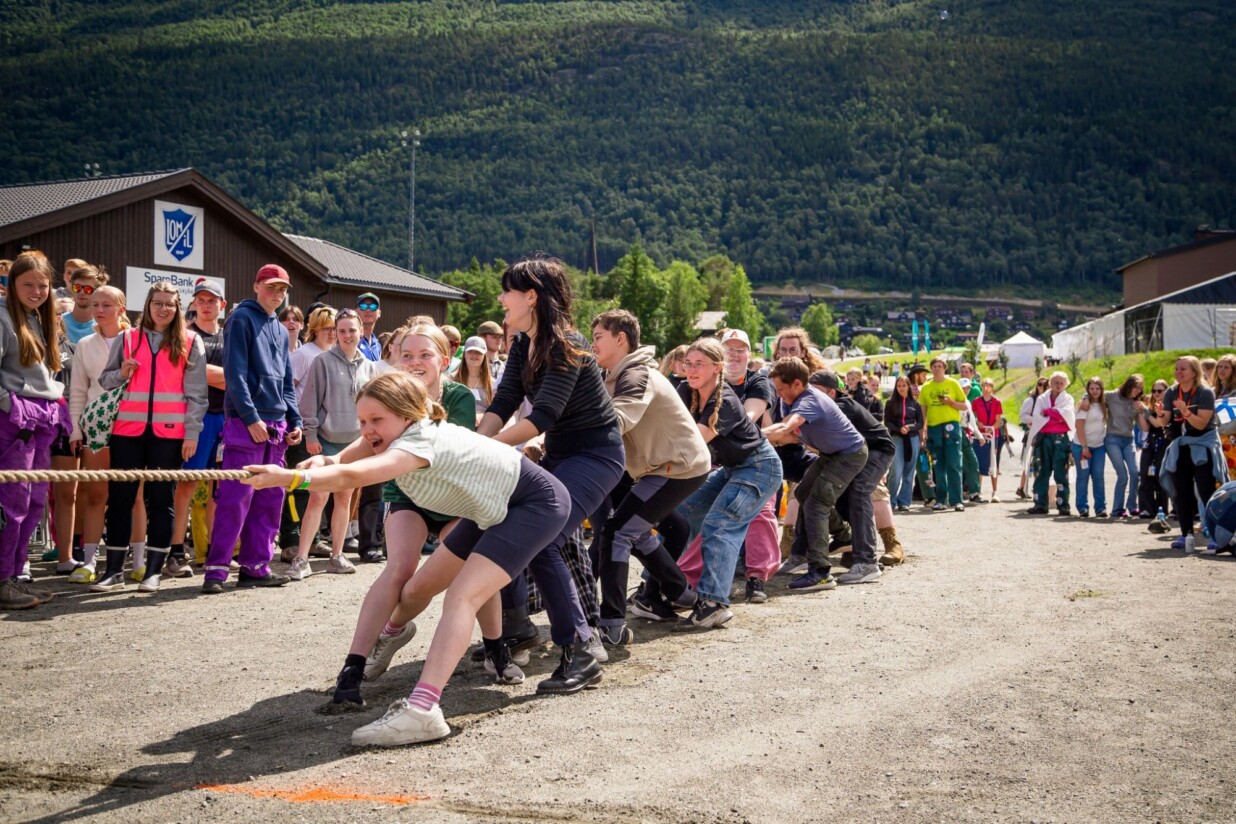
[[353, 268], [23, 201]]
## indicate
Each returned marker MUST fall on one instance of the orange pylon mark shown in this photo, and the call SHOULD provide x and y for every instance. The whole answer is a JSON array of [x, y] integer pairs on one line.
[[311, 795]]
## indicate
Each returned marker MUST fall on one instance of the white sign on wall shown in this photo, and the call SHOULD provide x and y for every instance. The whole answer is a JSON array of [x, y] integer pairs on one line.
[[178, 235], [138, 281]]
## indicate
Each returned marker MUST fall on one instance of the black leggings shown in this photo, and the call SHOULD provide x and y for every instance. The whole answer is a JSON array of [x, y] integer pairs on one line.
[[146, 452], [1191, 478]]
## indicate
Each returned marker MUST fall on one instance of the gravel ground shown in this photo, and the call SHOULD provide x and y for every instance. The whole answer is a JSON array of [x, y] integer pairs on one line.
[[1015, 668]]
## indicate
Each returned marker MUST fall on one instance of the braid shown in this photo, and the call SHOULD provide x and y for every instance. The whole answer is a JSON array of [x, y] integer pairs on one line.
[[695, 402], [716, 407]]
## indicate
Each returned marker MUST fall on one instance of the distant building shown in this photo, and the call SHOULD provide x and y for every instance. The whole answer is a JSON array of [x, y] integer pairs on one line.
[[1211, 253], [707, 323]]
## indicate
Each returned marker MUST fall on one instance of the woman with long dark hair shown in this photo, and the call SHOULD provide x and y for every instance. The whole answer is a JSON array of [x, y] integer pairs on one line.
[[904, 419], [552, 365], [1088, 449], [31, 414], [1150, 495]]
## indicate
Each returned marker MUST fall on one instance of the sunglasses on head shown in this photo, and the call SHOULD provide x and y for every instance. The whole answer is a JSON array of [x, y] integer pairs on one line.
[[346, 313], [78, 288], [367, 307]]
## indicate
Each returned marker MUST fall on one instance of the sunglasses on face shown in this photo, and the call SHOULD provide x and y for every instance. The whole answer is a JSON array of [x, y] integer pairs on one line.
[[367, 307], [79, 288]]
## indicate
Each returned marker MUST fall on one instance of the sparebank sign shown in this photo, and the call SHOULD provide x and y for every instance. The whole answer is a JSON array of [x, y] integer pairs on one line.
[[138, 281], [178, 235]]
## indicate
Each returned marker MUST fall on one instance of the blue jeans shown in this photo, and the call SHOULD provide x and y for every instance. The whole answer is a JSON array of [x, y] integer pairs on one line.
[[901, 472], [722, 509], [1091, 474], [1124, 461]]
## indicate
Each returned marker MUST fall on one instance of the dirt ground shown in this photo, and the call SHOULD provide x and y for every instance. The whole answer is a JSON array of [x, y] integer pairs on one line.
[[1015, 669]]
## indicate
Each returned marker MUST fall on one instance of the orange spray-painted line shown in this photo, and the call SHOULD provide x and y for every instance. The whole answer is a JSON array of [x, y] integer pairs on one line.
[[312, 795]]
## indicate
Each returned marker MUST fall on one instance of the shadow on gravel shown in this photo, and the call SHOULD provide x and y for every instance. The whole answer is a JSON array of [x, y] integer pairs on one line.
[[274, 736]]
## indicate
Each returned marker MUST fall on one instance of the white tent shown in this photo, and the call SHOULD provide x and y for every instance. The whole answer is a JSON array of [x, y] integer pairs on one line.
[[1022, 350]]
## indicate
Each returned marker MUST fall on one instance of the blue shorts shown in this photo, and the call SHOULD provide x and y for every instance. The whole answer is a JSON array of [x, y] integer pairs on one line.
[[208, 442]]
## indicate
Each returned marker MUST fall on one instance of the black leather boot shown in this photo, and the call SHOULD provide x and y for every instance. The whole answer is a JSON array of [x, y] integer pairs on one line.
[[577, 669], [518, 631]]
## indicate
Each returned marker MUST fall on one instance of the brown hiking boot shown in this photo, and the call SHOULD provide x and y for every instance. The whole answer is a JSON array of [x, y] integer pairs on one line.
[[44, 595], [894, 554], [12, 597]]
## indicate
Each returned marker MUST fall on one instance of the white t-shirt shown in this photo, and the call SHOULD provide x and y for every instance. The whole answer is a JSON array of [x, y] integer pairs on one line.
[[1095, 425], [301, 360], [469, 475]]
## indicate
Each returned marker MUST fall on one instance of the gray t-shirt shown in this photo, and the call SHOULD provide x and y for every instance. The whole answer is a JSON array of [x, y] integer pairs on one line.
[[1121, 413], [34, 381], [827, 430]]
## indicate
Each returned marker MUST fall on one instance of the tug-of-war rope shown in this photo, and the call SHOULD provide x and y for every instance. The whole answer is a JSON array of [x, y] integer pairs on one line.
[[30, 476]]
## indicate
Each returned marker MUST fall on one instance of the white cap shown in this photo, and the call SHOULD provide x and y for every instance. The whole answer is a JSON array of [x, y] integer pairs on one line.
[[474, 344], [735, 334]]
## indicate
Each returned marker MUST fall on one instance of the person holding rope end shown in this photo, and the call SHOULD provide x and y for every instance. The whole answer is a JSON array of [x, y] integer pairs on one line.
[[32, 415], [510, 509], [157, 427]]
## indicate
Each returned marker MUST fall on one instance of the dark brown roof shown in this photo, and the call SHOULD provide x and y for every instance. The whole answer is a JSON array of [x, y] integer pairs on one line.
[[1211, 238], [24, 201], [355, 269]]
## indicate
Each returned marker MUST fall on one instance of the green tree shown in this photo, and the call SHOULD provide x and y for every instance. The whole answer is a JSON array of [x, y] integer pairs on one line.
[[1109, 363], [642, 292], [973, 353], [591, 297], [686, 298], [818, 321], [869, 343], [1074, 363], [715, 274], [485, 284], [740, 309], [1002, 360]]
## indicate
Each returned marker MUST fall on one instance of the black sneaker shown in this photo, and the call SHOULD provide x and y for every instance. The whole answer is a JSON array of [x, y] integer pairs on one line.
[[755, 591], [577, 669], [617, 636], [835, 545], [270, 579], [654, 609], [371, 556], [1037, 510], [212, 587], [347, 697], [706, 615]]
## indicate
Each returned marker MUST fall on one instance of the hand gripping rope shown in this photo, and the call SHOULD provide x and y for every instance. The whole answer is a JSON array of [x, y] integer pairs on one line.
[[27, 476]]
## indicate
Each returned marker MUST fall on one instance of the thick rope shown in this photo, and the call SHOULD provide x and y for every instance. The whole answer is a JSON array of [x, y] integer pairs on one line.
[[27, 476]]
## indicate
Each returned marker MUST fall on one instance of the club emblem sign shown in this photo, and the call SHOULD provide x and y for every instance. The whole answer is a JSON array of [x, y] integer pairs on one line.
[[178, 235]]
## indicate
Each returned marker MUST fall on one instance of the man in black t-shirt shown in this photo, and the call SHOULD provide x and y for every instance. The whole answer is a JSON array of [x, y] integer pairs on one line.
[[208, 304], [752, 388]]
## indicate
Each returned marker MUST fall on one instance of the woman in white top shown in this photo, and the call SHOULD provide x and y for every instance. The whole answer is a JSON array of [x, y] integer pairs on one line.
[[474, 373], [510, 509], [1089, 453], [108, 305], [1025, 418]]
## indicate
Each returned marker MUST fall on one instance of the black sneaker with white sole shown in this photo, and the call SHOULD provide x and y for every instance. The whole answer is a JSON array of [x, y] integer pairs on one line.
[[706, 615], [654, 609]]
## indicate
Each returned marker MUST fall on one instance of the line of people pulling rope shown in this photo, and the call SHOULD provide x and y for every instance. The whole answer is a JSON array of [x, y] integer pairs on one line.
[[653, 465]]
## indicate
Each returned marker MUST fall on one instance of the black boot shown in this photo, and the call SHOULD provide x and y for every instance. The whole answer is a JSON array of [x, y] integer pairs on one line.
[[518, 633], [113, 578], [154, 570], [577, 669]]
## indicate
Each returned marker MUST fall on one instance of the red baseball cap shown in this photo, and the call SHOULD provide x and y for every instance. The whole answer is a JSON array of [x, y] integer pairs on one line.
[[273, 271]]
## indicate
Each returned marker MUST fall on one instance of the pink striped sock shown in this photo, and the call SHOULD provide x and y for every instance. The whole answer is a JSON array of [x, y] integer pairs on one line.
[[392, 629], [424, 696]]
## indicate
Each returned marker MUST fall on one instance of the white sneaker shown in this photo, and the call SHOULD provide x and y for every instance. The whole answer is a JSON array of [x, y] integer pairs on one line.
[[299, 570], [384, 651], [26, 575], [596, 647], [402, 724], [793, 565], [995, 499], [860, 574], [340, 565]]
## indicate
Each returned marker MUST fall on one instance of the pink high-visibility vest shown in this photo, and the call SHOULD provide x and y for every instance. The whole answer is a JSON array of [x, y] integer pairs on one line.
[[156, 390]]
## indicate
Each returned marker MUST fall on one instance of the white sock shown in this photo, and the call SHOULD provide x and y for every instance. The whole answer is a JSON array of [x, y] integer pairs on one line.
[[89, 551], [139, 554]]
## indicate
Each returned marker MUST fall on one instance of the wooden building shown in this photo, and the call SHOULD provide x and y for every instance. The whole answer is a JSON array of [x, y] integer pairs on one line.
[[179, 226], [1211, 253]]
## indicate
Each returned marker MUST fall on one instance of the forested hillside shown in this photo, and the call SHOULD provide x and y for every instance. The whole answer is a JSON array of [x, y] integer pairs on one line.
[[870, 142]]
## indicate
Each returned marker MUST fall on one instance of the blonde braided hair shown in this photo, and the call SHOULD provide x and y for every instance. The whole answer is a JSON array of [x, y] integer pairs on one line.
[[711, 349]]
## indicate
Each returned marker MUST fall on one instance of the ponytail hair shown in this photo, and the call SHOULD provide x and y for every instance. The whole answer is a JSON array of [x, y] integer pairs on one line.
[[404, 396]]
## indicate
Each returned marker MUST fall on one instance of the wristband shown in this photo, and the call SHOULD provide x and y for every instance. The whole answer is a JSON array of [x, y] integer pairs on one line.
[[304, 484], [295, 480]]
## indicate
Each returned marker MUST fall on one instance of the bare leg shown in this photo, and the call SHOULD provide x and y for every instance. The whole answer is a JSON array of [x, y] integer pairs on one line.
[[339, 521], [490, 618], [434, 576], [310, 520], [184, 497], [64, 497], [883, 514], [405, 535], [92, 497], [477, 581], [138, 532]]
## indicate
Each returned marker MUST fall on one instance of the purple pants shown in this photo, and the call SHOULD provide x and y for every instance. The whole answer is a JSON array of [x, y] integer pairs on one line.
[[26, 436], [242, 511]]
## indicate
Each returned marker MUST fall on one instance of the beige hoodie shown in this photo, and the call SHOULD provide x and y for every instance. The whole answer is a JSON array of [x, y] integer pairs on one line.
[[657, 430]]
